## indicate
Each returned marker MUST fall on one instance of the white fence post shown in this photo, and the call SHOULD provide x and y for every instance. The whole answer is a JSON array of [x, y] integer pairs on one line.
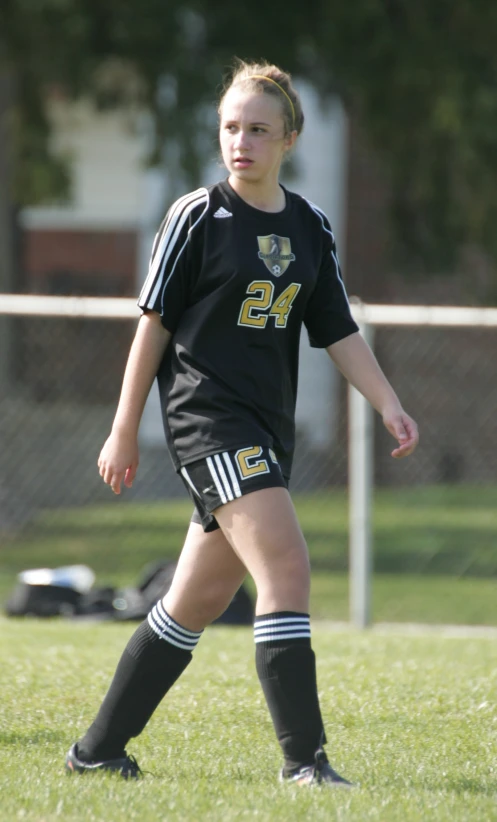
[[360, 496]]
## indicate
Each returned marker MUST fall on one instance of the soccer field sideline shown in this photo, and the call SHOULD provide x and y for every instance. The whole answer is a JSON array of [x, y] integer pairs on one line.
[[416, 629], [425, 538]]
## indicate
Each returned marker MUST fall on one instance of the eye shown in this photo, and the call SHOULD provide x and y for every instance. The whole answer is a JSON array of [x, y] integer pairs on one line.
[[259, 129]]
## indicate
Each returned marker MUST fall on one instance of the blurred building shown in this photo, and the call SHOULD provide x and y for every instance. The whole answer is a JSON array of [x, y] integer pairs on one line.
[[99, 243], [68, 371], [89, 246]]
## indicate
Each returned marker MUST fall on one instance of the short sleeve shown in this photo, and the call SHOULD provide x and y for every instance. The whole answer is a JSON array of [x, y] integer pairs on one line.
[[328, 318], [167, 289]]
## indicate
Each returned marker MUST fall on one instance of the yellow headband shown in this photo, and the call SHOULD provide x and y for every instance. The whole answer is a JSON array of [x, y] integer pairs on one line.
[[270, 80]]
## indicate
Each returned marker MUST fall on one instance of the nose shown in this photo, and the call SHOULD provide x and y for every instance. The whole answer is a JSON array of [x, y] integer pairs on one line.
[[242, 140]]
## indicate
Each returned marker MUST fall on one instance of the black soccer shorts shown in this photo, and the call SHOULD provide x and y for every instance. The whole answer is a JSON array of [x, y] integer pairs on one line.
[[214, 481]]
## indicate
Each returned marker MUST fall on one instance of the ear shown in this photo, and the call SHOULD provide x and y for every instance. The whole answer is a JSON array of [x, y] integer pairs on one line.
[[290, 140]]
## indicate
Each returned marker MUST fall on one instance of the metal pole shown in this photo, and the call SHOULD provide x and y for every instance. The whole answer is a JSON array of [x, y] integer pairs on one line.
[[360, 496], [7, 261]]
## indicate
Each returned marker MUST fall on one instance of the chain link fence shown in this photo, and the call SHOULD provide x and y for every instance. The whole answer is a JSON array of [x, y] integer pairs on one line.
[[434, 513]]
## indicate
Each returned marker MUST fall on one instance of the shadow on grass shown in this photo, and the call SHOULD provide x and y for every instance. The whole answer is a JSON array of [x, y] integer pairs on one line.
[[34, 738]]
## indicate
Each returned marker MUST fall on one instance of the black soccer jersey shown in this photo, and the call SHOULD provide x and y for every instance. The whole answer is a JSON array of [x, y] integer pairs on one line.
[[233, 285]]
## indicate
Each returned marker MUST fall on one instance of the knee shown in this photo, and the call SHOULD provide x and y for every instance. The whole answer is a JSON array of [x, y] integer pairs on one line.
[[289, 583], [294, 572], [214, 602], [200, 611]]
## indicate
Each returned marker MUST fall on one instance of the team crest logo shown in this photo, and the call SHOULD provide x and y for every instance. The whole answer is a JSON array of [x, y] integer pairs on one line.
[[276, 253]]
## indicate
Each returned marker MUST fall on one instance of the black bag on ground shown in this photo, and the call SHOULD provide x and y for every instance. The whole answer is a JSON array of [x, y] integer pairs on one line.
[[155, 581], [121, 604], [42, 601]]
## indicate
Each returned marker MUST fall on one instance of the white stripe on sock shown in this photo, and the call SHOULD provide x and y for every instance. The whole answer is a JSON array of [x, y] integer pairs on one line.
[[276, 628], [168, 629], [280, 628], [166, 637], [172, 622], [280, 621]]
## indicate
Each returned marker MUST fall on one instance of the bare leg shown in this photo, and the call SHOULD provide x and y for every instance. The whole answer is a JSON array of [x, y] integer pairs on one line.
[[263, 529], [207, 577]]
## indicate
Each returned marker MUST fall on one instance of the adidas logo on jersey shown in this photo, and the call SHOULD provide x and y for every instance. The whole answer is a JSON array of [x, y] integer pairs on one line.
[[221, 213]]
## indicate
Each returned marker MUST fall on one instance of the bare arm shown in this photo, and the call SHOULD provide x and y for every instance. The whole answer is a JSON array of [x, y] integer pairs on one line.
[[119, 457], [354, 358]]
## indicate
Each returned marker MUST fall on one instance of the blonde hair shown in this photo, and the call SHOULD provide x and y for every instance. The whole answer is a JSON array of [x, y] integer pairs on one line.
[[265, 78]]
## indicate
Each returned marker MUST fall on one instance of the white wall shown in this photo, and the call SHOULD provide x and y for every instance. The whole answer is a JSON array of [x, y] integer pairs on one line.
[[321, 158], [106, 151]]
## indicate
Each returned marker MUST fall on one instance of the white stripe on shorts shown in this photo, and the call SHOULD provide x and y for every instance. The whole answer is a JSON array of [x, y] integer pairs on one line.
[[185, 474], [224, 478], [231, 471], [215, 477]]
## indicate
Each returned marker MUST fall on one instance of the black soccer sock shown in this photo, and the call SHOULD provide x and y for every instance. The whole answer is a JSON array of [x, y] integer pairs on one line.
[[286, 668], [154, 658]]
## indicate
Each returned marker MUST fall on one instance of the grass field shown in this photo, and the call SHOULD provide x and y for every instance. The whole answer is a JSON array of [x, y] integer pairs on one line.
[[435, 551], [411, 719]]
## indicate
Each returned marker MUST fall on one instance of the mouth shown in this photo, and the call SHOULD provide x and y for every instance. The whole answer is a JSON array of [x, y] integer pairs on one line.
[[242, 162]]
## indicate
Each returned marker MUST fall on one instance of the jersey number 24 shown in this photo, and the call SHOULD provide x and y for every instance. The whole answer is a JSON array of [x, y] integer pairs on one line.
[[258, 308]]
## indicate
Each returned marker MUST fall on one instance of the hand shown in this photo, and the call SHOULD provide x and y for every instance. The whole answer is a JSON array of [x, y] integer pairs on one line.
[[118, 461], [404, 429]]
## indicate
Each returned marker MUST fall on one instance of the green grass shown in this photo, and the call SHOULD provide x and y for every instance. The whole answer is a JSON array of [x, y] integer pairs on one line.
[[434, 549], [413, 720]]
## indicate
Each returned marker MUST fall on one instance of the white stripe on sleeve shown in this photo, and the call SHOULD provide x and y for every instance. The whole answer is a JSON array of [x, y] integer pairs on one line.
[[167, 243], [321, 216]]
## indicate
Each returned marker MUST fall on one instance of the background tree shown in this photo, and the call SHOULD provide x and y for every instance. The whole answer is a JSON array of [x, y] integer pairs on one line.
[[421, 77]]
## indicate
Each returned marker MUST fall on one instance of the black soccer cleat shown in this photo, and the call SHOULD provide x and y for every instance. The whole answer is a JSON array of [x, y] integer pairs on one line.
[[126, 766], [321, 773]]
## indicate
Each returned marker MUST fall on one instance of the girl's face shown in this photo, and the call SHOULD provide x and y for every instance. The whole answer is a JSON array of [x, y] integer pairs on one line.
[[252, 136]]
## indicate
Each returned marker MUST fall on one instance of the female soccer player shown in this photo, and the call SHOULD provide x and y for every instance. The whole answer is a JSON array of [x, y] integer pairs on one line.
[[235, 271]]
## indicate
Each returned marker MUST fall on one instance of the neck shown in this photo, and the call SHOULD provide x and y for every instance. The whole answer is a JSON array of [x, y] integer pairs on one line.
[[266, 197]]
